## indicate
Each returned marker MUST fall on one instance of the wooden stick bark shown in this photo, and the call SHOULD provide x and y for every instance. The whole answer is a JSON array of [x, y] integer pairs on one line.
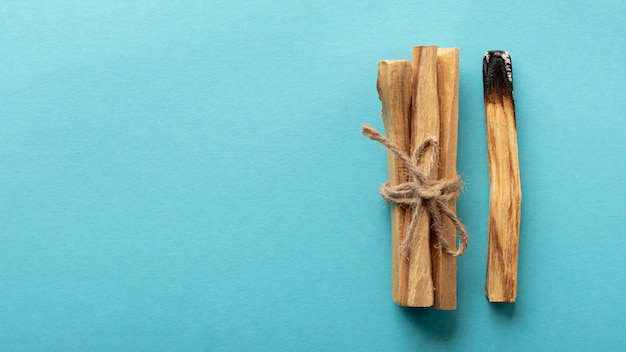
[[443, 264], [424, 124], [504, 178], [394, 90]]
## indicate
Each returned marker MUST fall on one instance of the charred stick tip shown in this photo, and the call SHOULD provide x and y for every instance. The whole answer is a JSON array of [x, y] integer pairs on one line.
[[497, 75]]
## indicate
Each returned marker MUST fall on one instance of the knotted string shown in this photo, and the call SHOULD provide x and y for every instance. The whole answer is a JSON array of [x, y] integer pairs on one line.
[[421, 191]]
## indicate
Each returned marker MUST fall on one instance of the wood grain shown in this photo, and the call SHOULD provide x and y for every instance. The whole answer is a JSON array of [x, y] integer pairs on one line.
[[424, 124], [504, 179], [394, 89], [444, 265]]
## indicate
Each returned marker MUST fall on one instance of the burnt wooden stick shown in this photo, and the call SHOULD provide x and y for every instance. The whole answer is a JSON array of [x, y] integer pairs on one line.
[[424, 124], [394, 89], [444, 265], [505, 194]]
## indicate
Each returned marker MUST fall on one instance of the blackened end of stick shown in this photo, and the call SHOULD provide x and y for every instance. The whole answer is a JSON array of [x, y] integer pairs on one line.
[[497, 75]]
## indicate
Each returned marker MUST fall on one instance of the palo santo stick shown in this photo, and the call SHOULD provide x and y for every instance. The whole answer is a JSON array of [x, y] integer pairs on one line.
[[444, 265], [504, 178], [424, 124], [394, 90]]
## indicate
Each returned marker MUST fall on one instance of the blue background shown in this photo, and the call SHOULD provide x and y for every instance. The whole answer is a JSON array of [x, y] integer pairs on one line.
[[191, 176]]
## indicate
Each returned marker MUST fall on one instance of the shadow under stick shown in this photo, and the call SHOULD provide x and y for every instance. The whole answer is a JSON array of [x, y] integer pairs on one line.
[[505, 194], [394, 90]]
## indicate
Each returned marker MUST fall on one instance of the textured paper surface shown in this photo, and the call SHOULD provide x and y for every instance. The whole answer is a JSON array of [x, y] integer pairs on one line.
[[191, 176]]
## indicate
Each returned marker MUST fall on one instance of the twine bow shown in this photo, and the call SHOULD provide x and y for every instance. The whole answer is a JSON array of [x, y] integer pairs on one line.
[[421, 191]]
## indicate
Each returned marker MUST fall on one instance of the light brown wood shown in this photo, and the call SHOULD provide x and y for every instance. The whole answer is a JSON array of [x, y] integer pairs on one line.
[[424, 124], [394, 90], [504, 182], [443, 264]]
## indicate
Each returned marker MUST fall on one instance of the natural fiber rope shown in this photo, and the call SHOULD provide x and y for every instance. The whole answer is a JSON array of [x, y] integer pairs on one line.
[[422, 191]]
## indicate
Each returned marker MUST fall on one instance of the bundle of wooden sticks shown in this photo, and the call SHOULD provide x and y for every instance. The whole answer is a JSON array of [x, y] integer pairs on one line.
[[420, 102]]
